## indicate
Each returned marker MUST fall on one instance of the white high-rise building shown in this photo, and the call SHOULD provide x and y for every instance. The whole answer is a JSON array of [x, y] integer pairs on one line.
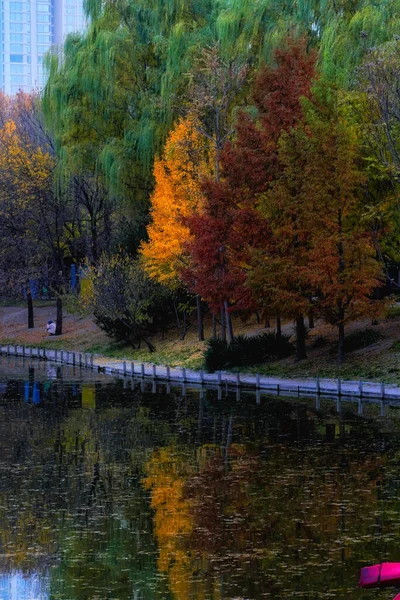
[[29, 28]]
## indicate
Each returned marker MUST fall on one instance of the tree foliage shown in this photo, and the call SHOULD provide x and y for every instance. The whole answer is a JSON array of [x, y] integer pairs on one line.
[[125, 302], [324, 252], [177, 194]]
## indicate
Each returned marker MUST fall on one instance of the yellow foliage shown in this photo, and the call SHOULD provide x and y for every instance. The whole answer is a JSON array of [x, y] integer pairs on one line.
[[186, 161], [26, 171], [167, 476]]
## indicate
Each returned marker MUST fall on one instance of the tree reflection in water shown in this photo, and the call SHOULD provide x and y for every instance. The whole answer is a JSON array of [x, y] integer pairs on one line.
[[112, 492]]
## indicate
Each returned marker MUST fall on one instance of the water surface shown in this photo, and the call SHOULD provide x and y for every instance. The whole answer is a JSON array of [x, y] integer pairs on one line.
[[119, 490]]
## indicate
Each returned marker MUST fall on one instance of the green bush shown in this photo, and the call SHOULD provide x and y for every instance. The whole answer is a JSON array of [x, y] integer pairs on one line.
[[246, 351], [361, 339]]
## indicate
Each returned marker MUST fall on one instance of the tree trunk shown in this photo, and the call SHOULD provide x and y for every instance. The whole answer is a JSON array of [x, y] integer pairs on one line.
[[377, 296], [184, 326], [341, 337], [341, 267], [94, 242], [200, 324], [228, 322], [300, 339], [341, 344], [311, 319], [278, 327], [178, 322], [223, 325], [149, 345], [59, 319], [31, 324], [214, 326]]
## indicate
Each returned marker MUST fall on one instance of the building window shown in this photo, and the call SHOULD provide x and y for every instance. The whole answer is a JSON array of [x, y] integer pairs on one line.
[[16, 68], [43, 18], [16, 58]]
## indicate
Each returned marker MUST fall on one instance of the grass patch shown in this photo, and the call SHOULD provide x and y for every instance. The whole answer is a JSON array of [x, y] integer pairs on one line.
[[173, 354]]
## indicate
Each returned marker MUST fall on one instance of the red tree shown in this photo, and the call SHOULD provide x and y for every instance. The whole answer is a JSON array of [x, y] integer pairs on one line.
[[230, 225]]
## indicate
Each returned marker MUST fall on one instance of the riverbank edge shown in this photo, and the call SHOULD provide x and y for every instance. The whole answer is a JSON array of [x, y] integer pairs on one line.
[[140, 370]]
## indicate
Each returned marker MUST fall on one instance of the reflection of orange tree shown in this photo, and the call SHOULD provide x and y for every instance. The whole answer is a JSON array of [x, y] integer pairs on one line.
[[167, 473], [254, 521]]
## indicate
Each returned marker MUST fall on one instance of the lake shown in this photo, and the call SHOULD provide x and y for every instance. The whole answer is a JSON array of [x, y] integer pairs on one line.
[[127, 490]]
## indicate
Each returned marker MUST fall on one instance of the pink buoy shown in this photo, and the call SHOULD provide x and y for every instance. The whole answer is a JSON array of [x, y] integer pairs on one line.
[[381, 575]]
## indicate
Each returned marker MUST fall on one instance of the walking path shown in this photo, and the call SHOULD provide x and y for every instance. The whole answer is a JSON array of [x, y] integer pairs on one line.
[[330, 387]]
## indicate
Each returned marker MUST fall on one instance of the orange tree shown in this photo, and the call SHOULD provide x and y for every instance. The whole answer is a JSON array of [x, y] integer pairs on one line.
[[177, 194]]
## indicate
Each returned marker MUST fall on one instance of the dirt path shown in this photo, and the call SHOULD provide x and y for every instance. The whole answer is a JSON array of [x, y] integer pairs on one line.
[[78, 331]]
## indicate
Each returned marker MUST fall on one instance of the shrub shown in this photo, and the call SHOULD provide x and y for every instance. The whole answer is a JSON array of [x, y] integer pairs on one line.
[[246, 351], [361, 339], [126, 304], [215, 355]]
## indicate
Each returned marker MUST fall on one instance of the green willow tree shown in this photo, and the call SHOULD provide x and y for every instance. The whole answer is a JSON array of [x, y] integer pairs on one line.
[[116, 93]]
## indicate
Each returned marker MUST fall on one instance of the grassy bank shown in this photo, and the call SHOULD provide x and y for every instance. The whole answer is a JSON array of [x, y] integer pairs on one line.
[[378, 361]]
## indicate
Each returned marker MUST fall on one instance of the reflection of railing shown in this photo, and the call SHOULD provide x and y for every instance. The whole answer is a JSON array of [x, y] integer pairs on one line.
[[351, 390]]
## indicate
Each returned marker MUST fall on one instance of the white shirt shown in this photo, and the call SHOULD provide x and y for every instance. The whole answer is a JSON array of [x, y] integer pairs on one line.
[[51, 328]]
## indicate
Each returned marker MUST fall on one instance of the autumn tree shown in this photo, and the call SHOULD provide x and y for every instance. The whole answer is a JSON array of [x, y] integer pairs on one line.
[[178, 174], [220, 237], [36, 227], [345, 269], [324, 249], [230, 225], [30, 234], [214, 87]]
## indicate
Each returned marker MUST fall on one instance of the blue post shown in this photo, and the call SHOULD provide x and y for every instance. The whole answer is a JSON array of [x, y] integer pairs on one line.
[[73, 278], [26, 391], [33, 284], [36, 393]]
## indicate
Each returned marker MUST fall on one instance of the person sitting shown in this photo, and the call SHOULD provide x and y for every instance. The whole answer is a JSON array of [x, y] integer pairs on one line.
[[51, 328]]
